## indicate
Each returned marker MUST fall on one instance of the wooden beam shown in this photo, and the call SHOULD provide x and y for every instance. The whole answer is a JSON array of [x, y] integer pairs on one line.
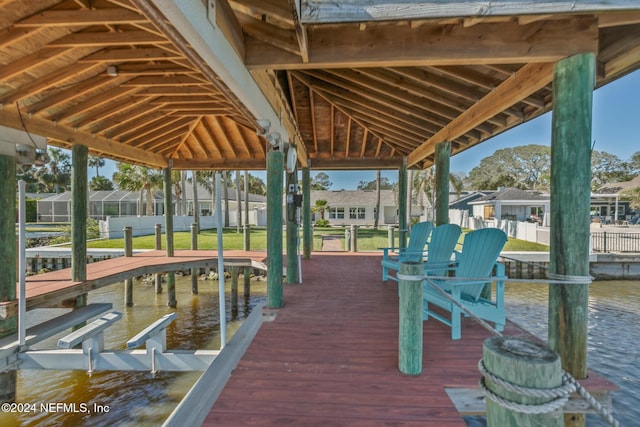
[[107, 39], [432, 44], [105, 147], [301, 31], [527, 80], [350, 164], [316, 12]]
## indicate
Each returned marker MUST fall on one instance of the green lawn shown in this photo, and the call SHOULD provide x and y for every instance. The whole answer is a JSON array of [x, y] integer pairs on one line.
[[368, 240]]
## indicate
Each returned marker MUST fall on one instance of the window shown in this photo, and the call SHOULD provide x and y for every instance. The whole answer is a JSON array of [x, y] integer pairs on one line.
[[336, 213], [356, 213]]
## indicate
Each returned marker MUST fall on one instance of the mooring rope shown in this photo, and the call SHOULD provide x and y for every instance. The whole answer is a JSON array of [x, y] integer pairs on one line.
[[570, 384]]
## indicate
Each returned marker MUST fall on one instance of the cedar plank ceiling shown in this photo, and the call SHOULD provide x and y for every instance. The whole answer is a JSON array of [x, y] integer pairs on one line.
[[360, 88]]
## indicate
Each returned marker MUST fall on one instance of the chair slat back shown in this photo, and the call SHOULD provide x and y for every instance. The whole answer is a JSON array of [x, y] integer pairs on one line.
[[443, 241], [417, 241], [480, 251]]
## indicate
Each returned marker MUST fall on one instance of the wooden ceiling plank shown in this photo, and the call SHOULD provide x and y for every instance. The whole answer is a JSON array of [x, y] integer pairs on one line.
[[95, 83], [369, 103], [227, 136], [92, 103], [106, 147], [529, 79], [431, 44], [335, 86], [203, 133], [107, 39], [361, 164], [31, 61], [151, 132], [140, 54], [81, 17], [58, 77], [117, 124], [115, 108]]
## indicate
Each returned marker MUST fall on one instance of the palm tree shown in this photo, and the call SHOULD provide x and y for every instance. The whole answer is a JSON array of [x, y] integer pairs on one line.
[[57, 173], [321, 206], [100, 183], [96, 162], [139, 178]]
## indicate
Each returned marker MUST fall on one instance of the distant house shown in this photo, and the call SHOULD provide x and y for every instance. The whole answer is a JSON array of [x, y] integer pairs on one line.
[[357, 207], [117, 203], [512, 204], [606, 201], [463, 202]]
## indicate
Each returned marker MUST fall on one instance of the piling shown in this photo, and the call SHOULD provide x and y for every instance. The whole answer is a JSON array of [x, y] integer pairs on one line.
[[128, 252], [410, 330], [521, 363], [275, 164], [79, 212], [235, 272], [158, 277], [247, 237], [354, 238], [246, 275], [194, 247], [168, 218]]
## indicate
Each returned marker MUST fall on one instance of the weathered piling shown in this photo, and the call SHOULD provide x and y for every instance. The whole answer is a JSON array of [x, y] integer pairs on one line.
[[410, 330], [194, 247], [275, 163], [158, 234], [168, 218], [128, 252], [79, 210], [354, 238], [512, 361]]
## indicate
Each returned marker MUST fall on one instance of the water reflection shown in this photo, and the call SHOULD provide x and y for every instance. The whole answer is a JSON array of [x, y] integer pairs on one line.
[[132, 398], [614, 331]]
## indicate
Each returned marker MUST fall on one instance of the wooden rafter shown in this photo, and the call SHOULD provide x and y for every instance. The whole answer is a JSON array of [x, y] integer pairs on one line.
[[527, 80]]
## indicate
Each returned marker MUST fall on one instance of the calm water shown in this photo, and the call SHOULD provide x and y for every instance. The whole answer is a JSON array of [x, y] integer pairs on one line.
[[133, 398], [614, 334]]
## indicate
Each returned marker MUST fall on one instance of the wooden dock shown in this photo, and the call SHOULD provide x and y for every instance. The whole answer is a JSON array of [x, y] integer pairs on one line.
[[55, 288], [330, 357]]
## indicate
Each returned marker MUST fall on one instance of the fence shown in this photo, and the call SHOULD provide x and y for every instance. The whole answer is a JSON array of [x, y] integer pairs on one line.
[[615, 242]]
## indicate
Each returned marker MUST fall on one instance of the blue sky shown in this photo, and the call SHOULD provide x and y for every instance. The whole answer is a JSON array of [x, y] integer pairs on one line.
[[616, 130]]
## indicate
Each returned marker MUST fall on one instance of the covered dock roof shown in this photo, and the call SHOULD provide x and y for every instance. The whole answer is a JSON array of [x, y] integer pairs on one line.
[[352, 83]]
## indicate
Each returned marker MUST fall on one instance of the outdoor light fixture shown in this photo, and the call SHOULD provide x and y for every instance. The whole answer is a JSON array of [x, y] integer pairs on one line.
[[112, 71]]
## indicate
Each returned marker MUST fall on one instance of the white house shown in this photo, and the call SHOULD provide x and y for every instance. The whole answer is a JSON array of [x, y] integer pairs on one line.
[[512, 204], [346, 207]]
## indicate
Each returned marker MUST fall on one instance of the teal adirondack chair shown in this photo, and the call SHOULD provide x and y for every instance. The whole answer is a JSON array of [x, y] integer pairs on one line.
[[414, 251], [480, 251], [444, 239]]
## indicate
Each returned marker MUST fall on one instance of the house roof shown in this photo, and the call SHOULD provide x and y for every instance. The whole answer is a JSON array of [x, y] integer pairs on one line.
[[511, 194], [353, 83], [617, 187]]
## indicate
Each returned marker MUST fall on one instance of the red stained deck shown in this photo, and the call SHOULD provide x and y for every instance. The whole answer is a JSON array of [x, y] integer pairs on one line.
[[330, 357]]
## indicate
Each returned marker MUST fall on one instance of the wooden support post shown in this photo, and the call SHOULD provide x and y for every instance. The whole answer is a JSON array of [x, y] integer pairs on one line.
[[275, 163], [247, 237], [196, 202], [442, 155], [354, 238], [128, 251], [8, 257], [292, 229], [522, 363], [573, 83], [81, 301], [79, 156], [246, 275], [410, 330], [307, 232], [391, 240], [168, 218], [235, 272], [402, 205], [158, 277], [194, 247]]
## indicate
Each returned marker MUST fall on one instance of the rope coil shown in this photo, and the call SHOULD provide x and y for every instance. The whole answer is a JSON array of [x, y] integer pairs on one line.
[[558, 395]]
